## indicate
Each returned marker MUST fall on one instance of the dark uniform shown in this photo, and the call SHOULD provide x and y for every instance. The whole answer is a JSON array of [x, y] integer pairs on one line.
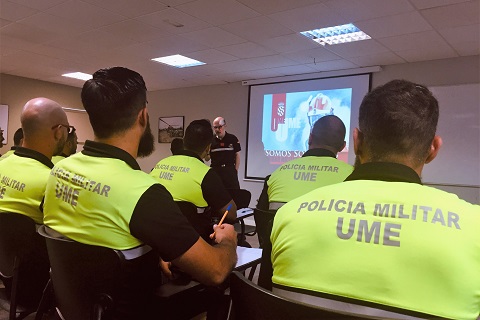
[[223, 155], [188, 179], [101, 197]]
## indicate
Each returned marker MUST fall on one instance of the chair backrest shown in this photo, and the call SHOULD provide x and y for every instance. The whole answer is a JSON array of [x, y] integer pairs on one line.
[[84, 277], [17, 238], [252, 302], [23, 262], [241, 197], [263, 223], [201, 222]]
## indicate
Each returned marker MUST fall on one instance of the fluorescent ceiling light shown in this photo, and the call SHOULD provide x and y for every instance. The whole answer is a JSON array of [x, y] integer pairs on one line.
[[179, 61], [78, 75], [336, 35]]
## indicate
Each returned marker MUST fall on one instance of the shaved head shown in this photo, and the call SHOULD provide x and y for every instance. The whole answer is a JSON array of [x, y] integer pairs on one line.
[[44, 125], [328, 132]]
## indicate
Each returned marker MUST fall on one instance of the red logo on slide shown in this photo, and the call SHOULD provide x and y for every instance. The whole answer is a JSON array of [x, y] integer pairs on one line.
[[278, 110]]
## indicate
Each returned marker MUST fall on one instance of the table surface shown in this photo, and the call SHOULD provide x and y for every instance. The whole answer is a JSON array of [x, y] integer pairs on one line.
[[244, 212], [247, 256]]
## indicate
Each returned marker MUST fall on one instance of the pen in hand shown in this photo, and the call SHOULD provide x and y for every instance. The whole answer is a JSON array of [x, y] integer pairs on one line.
[[221, 221]]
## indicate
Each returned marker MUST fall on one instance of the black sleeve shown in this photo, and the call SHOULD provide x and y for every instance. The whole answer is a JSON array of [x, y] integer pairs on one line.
[[266, 268], [263, 199], [214, 192], [158, 222], [236, 144]]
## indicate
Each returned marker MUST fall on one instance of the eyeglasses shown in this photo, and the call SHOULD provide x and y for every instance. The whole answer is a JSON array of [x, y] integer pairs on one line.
[[70, 129], [217, 127]]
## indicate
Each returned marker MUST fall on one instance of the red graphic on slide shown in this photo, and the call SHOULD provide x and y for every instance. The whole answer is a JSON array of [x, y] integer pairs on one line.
[[278, 110]]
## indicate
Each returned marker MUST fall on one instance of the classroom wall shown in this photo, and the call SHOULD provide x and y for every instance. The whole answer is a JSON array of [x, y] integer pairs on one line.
[[231, 102], [16, 91]]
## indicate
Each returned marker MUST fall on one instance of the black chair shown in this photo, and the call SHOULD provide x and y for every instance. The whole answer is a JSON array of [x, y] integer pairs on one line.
[[263, 224], [23, 263], [85, 278], [242, 198], [251, 302]]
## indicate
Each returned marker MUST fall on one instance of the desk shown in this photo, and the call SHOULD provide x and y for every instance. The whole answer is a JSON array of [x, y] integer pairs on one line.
[[247, 258], [242, 214]]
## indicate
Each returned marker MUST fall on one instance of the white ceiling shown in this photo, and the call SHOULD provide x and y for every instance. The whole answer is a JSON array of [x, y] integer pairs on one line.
[[238, 40]]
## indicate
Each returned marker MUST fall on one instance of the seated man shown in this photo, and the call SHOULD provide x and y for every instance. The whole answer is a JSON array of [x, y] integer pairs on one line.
[[17, 142], [381, 243], [176, 146], [69, 148], [316, 168], [24, 178], [101, 197], [188, 179]]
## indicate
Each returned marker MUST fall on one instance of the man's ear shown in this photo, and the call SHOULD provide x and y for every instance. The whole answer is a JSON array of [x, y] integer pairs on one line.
[[58, 134], [434, 148], [343, 146], [143, 117], [357, 142]]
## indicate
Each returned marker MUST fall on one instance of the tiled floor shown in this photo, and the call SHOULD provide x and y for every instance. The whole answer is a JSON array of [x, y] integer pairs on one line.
[[253, 241]]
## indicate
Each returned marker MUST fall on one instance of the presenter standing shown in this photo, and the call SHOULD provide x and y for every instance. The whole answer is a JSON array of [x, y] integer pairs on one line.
[[225, 154]]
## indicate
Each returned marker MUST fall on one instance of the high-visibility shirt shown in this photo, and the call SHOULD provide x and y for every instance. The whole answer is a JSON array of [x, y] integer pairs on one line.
[[55, 159], [317, 168], [390, 243], [23, 178], [78, 200], [8, 153], [182, 175]]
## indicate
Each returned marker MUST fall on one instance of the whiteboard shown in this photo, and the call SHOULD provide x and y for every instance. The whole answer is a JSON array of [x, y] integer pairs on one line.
[[458, 161]]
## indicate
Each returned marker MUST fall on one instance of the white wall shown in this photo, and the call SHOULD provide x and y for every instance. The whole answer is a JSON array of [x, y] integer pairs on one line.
[[231, 102]]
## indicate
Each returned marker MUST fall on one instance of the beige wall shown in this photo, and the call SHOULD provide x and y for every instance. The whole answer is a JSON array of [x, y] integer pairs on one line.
[[231, 102]]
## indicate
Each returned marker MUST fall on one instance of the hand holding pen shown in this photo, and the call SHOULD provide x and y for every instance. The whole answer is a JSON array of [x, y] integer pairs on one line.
[[212, 236]]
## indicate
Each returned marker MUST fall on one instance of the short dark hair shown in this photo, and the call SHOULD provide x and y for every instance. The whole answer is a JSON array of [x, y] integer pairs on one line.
[[17, 137], [198, 135], [329, 131], [176, 145], [399, 118], [112, 99]]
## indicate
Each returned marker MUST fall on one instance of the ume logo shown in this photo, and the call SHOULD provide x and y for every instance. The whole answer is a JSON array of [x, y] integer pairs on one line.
[[278, 110], [281, 109]]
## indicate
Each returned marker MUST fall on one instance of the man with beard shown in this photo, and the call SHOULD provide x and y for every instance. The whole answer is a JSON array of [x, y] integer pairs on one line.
[[116, 205], [69, 148], [24, 177]]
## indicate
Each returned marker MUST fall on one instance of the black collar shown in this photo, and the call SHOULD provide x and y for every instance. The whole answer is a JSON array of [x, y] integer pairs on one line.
[[319, 152], [189, 153], [384, 171], [103, 150], [29, 153], [13, 148]]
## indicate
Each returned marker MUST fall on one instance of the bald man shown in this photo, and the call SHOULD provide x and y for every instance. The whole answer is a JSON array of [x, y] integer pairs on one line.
[[23, 179], [225, 154]]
